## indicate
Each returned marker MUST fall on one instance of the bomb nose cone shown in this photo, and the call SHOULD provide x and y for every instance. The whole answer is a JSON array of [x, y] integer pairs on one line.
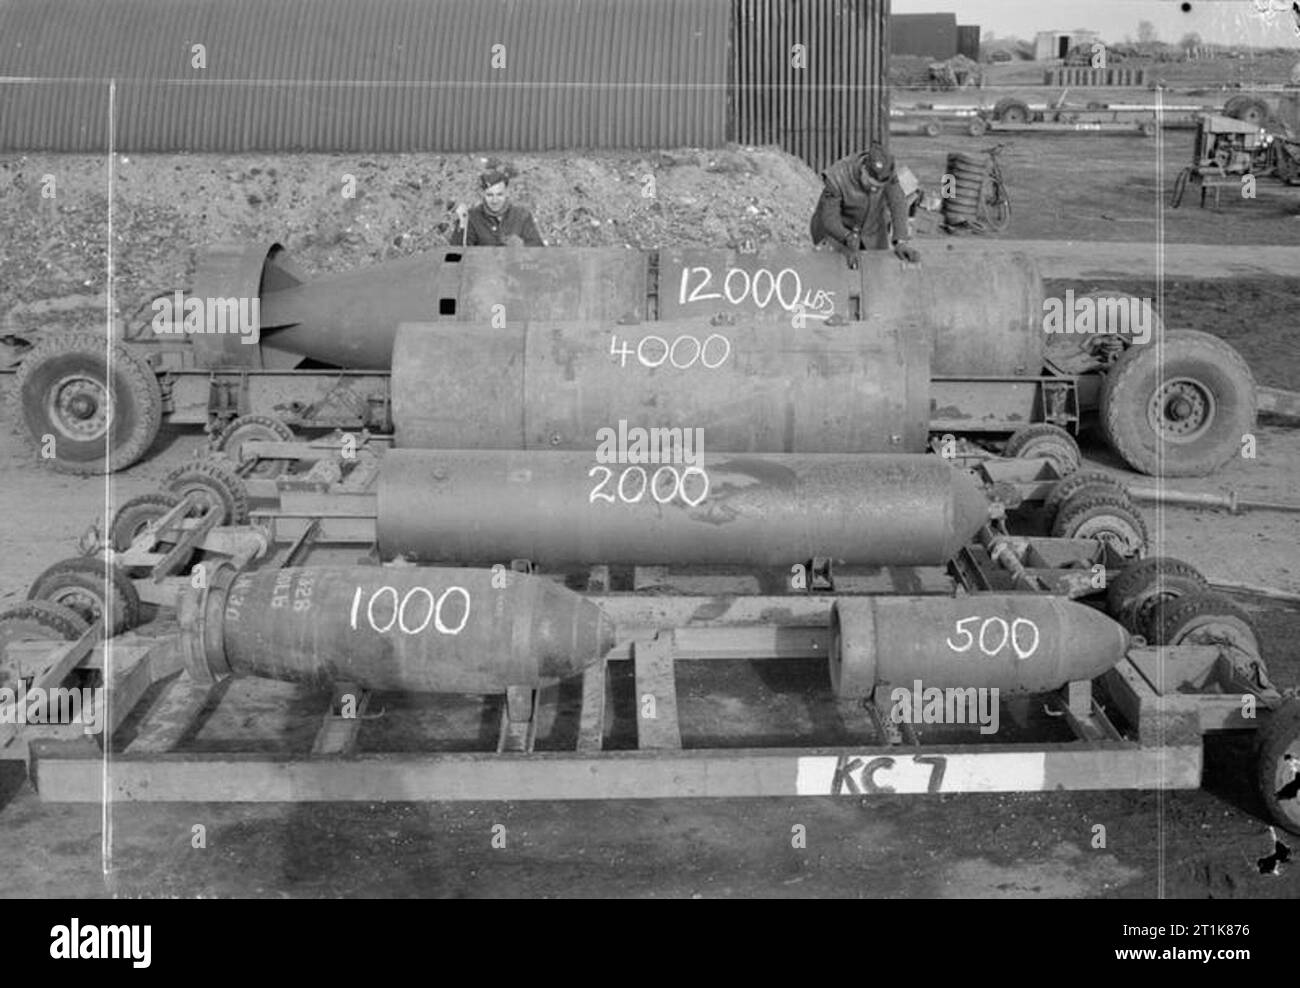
[[571, 637], [970, 510]]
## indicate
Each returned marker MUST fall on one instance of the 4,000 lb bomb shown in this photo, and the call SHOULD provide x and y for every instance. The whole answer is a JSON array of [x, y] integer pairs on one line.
[[416, 630], [559, 508]]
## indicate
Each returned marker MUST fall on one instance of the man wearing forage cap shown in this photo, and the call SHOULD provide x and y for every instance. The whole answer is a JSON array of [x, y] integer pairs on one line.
[[860, 199]]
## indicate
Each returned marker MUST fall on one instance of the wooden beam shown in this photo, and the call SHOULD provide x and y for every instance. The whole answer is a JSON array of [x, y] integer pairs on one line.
[[591, 721], [656, 694], [616, 775]]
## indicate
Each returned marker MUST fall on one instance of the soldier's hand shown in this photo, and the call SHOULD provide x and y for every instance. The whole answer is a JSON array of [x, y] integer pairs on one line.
[[514, 240], [849, 253], [906, 252]]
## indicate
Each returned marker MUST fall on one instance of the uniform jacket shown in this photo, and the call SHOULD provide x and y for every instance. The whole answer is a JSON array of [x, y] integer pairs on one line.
[[846, 204], [486, 230]]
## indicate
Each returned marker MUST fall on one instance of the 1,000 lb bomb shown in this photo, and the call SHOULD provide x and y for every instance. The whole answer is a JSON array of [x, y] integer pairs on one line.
[[752, 387], [417, 630], [560, 508]]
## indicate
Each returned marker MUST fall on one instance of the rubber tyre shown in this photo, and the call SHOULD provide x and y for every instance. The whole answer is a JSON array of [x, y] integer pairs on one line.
[[1185, 621], [930, 129], [81, 579], [131, 519], [1279, 736], [958, 209], [255, 426], [31, 621], [1093, 480], [134, 400], [1011, 110], [1214, 368], [1248, 110], [977, 128], [1103, 516], [217, 482], [1046, 440], [1133, 595], [994, 205]]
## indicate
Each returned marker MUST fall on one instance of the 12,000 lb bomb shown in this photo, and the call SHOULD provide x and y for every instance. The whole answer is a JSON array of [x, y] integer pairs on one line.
[[560, 508], [1017, 643], [755, 386], [415, 630]]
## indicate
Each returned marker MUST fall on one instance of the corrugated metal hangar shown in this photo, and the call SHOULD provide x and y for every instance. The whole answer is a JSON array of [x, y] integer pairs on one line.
[[442, 75]]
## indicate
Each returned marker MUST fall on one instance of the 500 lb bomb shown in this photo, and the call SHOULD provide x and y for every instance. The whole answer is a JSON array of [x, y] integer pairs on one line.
[[416, 630], [1018, 643], [756, 386], [560, 508]]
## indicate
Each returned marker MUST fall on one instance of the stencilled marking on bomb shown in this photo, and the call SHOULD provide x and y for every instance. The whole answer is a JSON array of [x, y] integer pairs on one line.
[[666, 351], [1010, 635], [403, 619], [280, 591], [634, 492], [762, 287]]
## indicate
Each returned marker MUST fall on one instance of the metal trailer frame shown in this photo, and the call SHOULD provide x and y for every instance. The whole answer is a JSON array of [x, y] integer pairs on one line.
[[1139, 726]]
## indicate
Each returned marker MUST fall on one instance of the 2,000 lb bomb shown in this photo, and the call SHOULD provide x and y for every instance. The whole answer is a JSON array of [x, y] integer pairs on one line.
[[736, 509], [416, 630], [1018, 643], [755, 386]]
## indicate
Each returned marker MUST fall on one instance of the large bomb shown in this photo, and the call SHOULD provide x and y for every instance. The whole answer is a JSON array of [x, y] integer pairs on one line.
[[417, 630], [560, 508], [755, 386]]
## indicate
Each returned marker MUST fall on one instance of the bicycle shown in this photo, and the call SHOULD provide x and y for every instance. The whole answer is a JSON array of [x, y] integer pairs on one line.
[[994, 205]]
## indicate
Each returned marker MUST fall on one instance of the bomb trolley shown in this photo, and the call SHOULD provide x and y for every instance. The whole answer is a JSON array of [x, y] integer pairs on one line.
[[628, 725]]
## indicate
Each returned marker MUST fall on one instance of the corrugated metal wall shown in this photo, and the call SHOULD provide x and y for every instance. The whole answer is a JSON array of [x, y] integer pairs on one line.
[[364, 75], [968, 41], [837, 103]]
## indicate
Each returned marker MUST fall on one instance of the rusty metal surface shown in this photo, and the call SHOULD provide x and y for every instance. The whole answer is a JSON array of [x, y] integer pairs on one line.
[[769, 387], [559, 508], [384, 75], [1018, 643], [383, 628]]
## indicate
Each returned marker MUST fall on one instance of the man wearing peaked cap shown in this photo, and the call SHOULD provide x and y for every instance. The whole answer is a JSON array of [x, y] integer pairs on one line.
[[860, 199]]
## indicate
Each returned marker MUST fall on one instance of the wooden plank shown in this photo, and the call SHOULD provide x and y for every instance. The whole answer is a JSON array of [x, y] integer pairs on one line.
[[518, 731], [740, 642], [1159, 720], [338, 732], [656, 694], [616, 775], [172, 716], [333, 505], [591, 722]]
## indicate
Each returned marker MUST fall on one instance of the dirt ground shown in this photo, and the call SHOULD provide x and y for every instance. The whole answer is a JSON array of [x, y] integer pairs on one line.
[[1183, 844]]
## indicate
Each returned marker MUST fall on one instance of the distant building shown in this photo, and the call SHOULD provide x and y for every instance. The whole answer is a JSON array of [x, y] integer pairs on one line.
[[931, 35], [1057, 44], [968, 41]]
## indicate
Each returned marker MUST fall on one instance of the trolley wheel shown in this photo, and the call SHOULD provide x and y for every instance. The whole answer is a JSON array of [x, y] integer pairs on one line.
[[1106, 517], [137, 514], [79, 584], [976, 127], [1204, 618], [1094, 481], [215, 482], [1048, 441], [1277, 765], [1011, 110], [33, 621], [930, 129], [255, 427], [1134, 594], [84, 411], [1178, 410]]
